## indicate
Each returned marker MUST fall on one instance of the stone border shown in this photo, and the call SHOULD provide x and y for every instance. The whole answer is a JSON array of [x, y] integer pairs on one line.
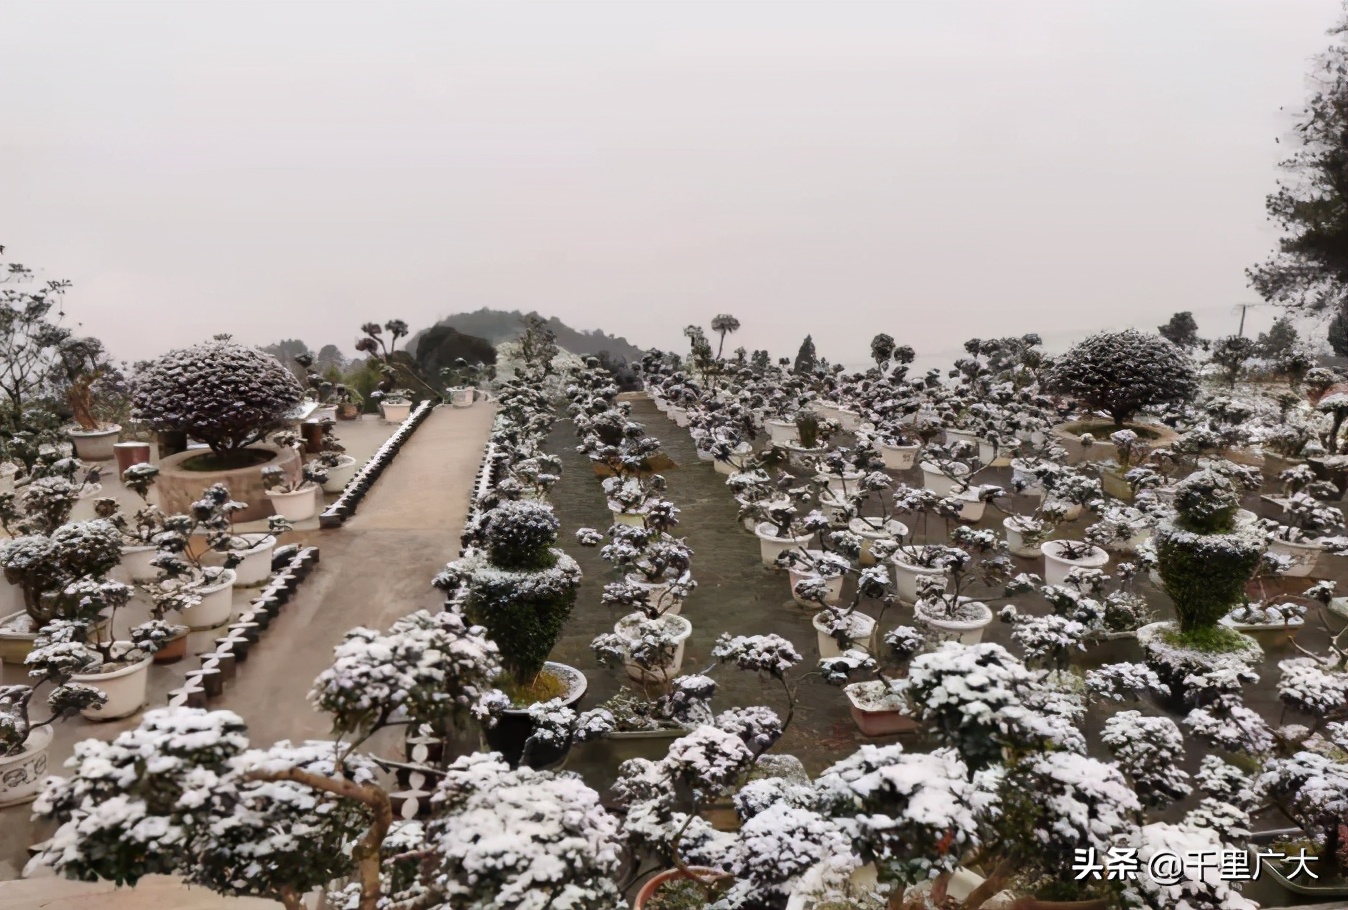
[[483, 483], [335, 515], [220, 666]]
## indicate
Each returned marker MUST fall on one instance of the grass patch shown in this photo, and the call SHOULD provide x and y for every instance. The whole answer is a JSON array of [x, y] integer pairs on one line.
[[544, 687], [679, 894], [1212, 640], [242, 458], [1101, 430]]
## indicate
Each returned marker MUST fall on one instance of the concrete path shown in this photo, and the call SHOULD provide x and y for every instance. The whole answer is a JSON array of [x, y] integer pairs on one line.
[[372, 571], [155, 891]]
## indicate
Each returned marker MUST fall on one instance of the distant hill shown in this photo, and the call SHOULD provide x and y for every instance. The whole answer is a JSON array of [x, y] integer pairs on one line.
[[497, 326]]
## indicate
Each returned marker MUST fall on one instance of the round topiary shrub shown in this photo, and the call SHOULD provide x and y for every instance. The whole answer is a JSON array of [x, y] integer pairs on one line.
[[519, 535], [1204, 560], [224, 394], [1121, 373]]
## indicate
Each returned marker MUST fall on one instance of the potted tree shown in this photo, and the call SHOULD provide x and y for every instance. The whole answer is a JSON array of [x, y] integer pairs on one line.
[[943, 607], [84, 372], [40, 566], [521, 589], [1205, 561], [230, 397], [202, 594]]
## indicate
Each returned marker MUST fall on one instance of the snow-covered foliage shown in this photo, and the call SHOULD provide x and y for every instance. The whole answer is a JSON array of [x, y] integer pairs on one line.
[[912, 814], [225, 394], [521, 840], [1196, 886], [1149, 750], [429, 668], [1121, 373]]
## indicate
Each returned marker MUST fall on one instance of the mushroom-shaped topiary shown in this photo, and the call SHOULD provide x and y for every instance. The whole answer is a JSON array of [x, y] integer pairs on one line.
[[227, 395], [1121, 373]]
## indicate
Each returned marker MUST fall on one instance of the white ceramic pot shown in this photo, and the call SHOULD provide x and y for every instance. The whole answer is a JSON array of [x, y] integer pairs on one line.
[[840, 486], [898, 458], [1015, 540], [736, 462], [834, 508], [953, 436], [968, 632], [216, 607], [461, 398], [631, 519], [681, 628], [1023, 472], [255, 568], [124, 687], [705, 455], [850, 420], [859, 636], [934, 479], [300, 505], [395, 413], [993, 457], [658, 595], [1056, 566], [1303, 554], [1071, 510], [84, 503], [136, 564], [835, 584], [21, 775], [972, 506], [15, 639], [782, 431], [7, 473], [341, 475], [906, 576], [869, 533], [770, 546], [95, 445]]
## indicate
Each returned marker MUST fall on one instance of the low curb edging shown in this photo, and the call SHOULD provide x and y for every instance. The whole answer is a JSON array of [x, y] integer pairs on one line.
[[335, 515], [221, 665]]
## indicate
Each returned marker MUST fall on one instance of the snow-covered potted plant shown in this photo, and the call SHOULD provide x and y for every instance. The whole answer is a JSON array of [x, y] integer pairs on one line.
[[230, 397], [779, 530], [41, 566], [1205, 561], [1120, 374], [82, 372], [294, 499], [85, 646], [521, 589], [200, 593], [943, 606], [1298, 533], [1025, 533], [1062, 556]]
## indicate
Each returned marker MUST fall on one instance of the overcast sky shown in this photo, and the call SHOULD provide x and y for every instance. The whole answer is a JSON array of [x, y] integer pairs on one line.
[[935, 170]]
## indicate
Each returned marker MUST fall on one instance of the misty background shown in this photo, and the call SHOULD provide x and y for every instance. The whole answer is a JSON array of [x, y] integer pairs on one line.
[[934, 170]]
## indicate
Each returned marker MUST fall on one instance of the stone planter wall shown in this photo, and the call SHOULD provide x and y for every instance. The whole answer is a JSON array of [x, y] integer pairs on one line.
[[179, 488]]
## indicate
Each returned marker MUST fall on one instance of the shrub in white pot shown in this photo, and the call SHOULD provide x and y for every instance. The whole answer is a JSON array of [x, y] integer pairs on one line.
[[90, 381], [1025, 533], [295, 499], [780, 530], [521, 588], [86, 649], [943, 605], [1121, 529], [650, 649], [1062, 556], [201, 594], [1105, 606], [42, 566], [1305, 521], [815, 576]]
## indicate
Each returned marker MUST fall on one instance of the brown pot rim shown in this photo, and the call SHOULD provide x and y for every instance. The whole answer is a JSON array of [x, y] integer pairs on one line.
[[648, 890]]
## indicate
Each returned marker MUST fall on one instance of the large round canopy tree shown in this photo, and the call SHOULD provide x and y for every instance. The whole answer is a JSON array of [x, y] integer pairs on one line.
[[1120, 373], [230, 397]]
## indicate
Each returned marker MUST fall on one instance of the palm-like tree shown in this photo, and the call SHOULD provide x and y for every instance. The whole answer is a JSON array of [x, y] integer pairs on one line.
[[724, 325]]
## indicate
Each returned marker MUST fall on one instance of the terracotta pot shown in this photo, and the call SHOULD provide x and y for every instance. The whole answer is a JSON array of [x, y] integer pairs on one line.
[[348, 411], [312, 431], [130, 453], [174, 651], [648, 890]]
